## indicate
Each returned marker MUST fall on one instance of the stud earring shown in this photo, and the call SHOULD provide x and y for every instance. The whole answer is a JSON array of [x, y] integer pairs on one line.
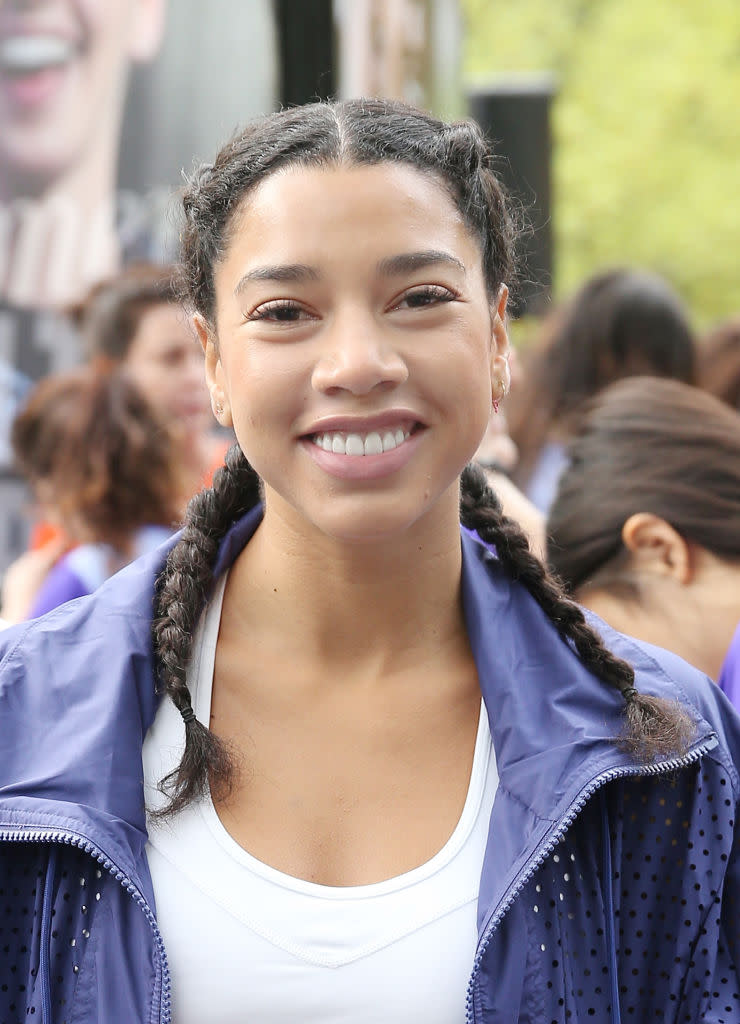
[[504, 392], [218, 408]]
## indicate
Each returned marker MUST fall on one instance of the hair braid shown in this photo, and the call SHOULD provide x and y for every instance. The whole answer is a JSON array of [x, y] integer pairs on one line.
[[182, 590], [653, 726]]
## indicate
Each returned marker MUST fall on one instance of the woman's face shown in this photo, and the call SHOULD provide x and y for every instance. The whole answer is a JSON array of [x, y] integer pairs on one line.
[[166, 364], [356, 349]]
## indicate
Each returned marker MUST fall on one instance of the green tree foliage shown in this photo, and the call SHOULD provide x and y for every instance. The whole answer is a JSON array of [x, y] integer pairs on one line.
[[646, 131]]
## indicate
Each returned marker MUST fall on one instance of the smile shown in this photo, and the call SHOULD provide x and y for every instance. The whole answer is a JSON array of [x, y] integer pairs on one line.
[[373, 443], [21, 55]]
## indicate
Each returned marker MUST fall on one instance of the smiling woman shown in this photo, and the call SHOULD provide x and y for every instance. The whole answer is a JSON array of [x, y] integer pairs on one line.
[[346, 674]]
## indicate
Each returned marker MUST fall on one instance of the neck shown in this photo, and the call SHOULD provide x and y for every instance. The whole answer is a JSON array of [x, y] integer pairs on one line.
[[695, 621], [378, 607]]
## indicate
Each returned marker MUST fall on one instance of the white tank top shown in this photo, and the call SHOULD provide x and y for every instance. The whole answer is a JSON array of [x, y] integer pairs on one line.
[[248, 944]]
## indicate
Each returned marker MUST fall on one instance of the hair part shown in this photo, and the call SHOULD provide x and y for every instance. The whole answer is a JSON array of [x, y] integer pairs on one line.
[[352, 133]]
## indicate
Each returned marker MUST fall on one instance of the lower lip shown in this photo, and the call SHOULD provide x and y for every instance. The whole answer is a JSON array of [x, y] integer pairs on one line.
[[32, 90], [364, 467]]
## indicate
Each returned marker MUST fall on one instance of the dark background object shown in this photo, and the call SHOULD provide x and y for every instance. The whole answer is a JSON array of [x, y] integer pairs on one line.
[[306, 47], [514, 112]]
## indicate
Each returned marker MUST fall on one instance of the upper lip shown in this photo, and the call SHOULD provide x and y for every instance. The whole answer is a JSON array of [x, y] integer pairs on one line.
[[12, 28], [353, 424]]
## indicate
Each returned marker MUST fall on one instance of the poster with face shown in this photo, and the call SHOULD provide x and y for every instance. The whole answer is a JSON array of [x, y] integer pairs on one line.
[[103, 105]]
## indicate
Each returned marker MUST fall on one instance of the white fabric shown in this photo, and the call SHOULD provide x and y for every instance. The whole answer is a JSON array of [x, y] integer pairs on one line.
[[95, 563], [249, 944]]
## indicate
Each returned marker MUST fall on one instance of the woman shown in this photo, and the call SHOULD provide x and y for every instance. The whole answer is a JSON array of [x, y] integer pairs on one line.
[[135, 321], [645, 528], [347, 676], [100, 464], [620, 323]]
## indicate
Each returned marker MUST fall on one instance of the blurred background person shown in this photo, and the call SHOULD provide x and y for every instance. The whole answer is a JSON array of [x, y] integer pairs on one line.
[[719, 361], [135, 321], [645, 526], [99, 462], [620, 323]]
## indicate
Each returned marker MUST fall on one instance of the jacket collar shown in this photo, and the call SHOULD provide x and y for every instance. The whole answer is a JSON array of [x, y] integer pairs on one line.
[[552, 722]]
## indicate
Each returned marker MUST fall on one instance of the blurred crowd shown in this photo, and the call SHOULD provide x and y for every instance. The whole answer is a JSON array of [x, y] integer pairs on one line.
[[618, 449]]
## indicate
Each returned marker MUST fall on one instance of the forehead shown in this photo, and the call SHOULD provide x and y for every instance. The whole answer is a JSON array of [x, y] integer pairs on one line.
[[161, 324], [347, 212]]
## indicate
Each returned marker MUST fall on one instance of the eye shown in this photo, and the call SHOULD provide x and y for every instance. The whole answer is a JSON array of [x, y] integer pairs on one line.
[[424, 295], [281, 311]]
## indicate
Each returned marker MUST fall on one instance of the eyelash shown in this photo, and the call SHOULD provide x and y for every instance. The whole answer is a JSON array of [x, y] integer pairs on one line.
[[429, 294], [433, 293], [271, 311]]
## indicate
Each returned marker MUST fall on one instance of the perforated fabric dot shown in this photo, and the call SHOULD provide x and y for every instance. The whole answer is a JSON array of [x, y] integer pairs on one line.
[[71, 906], [674, 923]]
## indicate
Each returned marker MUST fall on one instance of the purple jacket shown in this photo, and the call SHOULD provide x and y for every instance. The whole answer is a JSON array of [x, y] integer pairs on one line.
[[610, 890]]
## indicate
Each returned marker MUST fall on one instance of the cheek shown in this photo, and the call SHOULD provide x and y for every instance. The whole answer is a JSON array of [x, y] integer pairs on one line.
[[100, 17]]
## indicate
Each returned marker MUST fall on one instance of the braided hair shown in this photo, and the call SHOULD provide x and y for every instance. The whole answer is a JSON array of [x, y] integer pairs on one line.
[[328, 134]]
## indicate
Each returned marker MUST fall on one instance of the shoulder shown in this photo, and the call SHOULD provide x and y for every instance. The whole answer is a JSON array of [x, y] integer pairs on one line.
[[99, 644]]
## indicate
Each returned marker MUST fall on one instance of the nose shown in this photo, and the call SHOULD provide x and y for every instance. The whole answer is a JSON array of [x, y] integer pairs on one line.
[[358, 357]]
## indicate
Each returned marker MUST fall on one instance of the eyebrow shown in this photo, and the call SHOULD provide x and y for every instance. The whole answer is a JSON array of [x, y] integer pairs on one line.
[[409, 261], [292, 272], [392, 266]]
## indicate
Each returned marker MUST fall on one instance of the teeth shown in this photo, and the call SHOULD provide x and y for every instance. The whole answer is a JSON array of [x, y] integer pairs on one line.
[[355, 444], [33, 53], [373, 445]]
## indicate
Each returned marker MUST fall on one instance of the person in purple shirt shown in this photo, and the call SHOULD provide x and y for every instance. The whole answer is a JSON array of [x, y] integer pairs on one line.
[[100, 463], [645, 528]]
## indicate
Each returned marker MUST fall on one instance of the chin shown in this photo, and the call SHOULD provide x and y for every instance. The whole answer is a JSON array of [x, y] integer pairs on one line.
[[367, 523]]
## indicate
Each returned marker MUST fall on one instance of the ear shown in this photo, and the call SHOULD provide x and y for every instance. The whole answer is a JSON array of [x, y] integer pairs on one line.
[[147, 28], [215, 378], [657, 548], [500, 372]]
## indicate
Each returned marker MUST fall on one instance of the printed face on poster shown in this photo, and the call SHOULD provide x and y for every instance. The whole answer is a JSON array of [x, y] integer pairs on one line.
[[103, 104]]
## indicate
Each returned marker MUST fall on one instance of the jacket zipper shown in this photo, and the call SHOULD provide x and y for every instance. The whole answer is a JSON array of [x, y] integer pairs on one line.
[[34, 835], [548, 844]]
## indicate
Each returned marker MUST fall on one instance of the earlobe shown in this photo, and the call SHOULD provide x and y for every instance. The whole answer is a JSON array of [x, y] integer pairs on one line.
[[221, 408], [657, 548], [214, 371]]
